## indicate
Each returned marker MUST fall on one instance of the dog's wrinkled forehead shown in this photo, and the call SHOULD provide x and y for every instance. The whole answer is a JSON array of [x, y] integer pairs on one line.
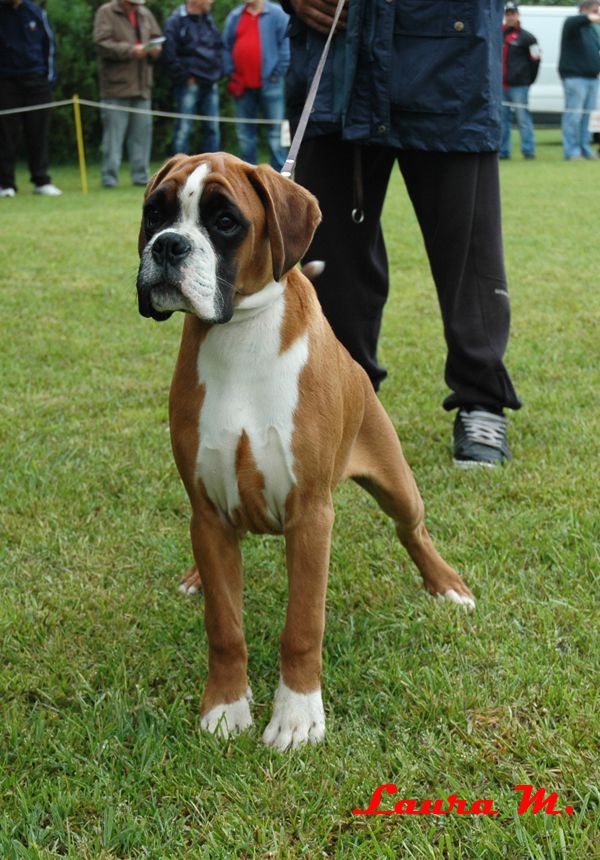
[[190, 194], [185, 180]]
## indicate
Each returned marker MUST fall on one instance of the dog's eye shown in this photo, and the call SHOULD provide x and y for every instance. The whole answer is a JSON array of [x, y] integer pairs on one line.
[[225, 223], [153, 218]]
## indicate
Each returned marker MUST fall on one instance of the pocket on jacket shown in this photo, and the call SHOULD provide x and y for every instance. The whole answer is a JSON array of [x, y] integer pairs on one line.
[[116, 74], [431, 41]]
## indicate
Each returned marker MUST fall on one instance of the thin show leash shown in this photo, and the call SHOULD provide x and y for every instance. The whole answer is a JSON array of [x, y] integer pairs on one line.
[[290, 162]]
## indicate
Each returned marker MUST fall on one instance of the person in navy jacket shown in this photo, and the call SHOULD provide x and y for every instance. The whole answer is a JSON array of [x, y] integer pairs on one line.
[[415, 83], [27, 74], [193, 57], [256, 60]]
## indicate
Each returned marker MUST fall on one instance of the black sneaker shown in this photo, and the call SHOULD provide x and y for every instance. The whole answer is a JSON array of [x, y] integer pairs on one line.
[[480, 439]]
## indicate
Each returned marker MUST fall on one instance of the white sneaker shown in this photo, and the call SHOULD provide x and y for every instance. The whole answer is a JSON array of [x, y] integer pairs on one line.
[[7, 192], [48, 190]]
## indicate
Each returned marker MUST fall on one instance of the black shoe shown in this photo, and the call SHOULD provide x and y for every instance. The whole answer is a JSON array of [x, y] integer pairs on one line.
[[479, 438]]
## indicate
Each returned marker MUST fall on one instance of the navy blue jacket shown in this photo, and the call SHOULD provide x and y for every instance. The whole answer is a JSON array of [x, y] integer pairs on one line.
[[194, 47], [27, 45], [413, 74]]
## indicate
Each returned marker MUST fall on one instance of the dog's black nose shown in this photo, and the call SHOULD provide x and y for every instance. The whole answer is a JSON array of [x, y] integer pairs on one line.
[[170, 248]]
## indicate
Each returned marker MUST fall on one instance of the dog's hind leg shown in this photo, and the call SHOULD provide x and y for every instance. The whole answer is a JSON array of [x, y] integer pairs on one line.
[[377, 463]]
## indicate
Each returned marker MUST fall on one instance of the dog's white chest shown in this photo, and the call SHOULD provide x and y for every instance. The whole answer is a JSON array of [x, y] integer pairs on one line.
[[251, 389]]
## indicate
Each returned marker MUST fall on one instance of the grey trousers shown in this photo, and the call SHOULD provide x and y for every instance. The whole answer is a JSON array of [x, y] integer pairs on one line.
[[133, 128]]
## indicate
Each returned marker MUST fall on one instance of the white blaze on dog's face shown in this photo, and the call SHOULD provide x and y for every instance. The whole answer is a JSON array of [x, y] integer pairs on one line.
[[215, 230], [186, 255]]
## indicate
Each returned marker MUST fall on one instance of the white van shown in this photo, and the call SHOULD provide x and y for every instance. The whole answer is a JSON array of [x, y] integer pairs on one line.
[[546, 98]]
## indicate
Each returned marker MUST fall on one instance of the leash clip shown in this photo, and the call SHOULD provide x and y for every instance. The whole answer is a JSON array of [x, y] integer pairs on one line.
[[358, 216]]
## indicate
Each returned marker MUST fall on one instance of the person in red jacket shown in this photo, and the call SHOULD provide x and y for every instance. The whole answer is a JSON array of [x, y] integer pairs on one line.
[[520, 64], [257, 55]]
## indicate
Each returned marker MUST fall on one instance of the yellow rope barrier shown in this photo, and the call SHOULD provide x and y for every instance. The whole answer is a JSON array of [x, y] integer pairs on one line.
[[80, 145]]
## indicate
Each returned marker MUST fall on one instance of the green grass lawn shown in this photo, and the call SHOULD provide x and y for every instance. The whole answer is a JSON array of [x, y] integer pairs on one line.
[[102, 660]]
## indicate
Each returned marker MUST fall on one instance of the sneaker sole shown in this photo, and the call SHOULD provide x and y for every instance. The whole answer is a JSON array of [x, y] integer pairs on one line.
[[474, 464]]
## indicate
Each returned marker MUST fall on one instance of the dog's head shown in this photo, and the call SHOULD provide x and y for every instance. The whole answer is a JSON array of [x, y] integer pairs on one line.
[[215, 229]]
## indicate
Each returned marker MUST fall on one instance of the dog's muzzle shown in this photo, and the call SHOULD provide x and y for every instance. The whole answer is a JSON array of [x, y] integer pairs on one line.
[[168, 252]]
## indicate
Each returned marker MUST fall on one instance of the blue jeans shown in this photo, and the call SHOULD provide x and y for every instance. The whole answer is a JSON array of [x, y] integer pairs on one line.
[[203, 98], [269, 101], [520, 96], [580, 96]]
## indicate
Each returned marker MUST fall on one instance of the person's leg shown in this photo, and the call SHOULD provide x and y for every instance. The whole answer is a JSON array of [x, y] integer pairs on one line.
[[139, 142], [589, 104], [246, 107], [36, 128], [9, 132], [456, 197], [506, 117], [520, 95], [114, 128], [209, 106], [354, 286], [272, 106], [571, 120], [186, 101]]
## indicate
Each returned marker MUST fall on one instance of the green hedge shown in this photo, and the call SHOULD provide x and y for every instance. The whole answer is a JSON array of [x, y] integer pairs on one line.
[[73, 22]]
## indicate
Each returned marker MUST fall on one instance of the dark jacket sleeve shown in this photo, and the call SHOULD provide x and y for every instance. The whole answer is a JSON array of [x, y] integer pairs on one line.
[[575, 22], [534, 58], [175, 68], [50, 48]]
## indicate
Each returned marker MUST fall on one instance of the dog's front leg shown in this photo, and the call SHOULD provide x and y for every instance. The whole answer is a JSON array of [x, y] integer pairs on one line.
[[226, 702], [298, 714]]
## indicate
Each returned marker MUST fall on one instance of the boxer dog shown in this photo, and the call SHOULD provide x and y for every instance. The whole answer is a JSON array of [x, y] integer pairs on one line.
[[268, 413]]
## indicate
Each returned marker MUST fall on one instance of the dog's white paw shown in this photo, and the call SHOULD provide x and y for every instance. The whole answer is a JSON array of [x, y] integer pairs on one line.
[[298, 718], [462, 599], [189, 589], [191, 582], [226, 720]]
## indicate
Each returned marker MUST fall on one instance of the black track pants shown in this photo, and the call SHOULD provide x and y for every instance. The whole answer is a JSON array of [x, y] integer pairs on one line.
[[21, 92], [456, 198]]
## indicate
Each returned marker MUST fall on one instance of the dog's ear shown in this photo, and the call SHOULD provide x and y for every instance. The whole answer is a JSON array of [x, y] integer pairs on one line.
[[152, 184], [293, 215]]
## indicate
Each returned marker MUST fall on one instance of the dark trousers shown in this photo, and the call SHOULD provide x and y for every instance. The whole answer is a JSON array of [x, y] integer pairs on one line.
[[456, 198], [20, 92]]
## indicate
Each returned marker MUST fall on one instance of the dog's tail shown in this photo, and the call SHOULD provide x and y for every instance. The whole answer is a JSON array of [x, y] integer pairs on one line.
[[313, 269]]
